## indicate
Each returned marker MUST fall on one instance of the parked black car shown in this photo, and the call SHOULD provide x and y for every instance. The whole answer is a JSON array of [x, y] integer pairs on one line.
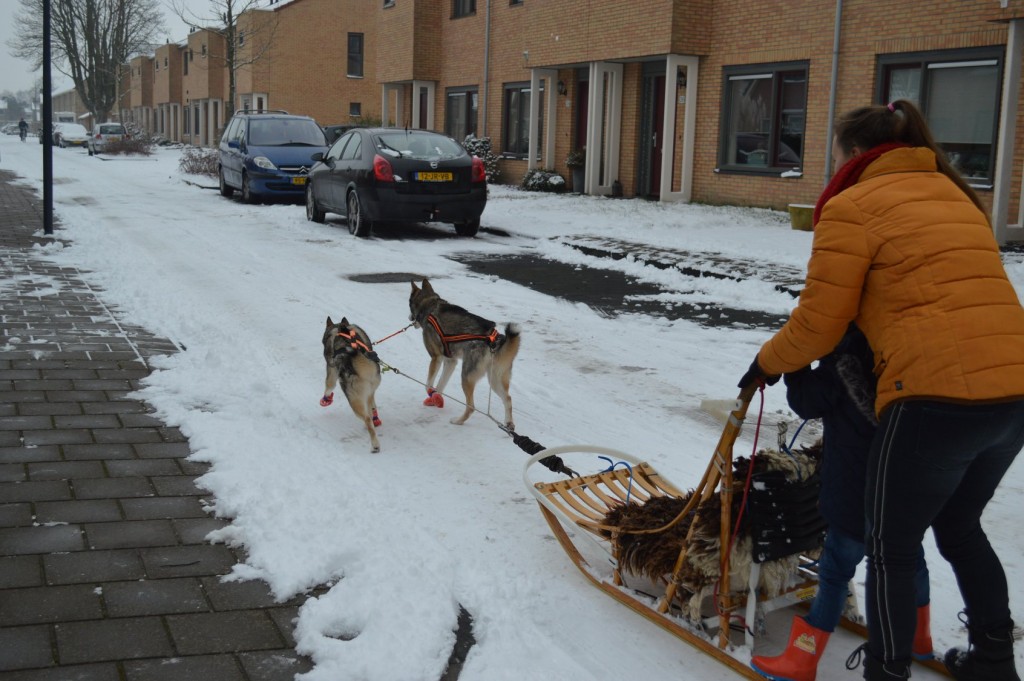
[[373, 175], [333, 132]]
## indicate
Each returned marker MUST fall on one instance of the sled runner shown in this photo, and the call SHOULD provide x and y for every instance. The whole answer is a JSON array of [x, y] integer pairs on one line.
[[589, 516]]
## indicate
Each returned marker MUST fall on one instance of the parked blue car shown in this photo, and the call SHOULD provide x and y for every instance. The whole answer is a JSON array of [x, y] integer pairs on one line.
[[268, 154]]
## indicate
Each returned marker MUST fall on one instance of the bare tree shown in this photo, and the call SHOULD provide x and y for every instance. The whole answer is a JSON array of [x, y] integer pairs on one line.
[[90, 39], [247, 30]]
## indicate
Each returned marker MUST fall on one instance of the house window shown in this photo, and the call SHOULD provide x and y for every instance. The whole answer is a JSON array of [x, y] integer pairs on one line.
[[516, 117], [203, 49], [460, 112], [389, 3], [515, 2], [165, 62], [958, 93], [355, 55], [763, 117], [355, 108], [241, 38], [463, 8]]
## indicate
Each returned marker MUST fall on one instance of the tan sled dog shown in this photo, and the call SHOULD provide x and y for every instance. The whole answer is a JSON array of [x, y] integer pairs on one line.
[[352, 363], [450, 334]]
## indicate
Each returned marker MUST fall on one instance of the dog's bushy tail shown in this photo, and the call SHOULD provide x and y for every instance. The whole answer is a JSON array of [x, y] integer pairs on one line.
[[508, 348], [511, 342], [500, 371]]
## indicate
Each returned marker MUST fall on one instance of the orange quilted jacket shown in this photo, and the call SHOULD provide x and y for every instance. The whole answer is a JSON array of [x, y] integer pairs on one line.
[[908, 257]]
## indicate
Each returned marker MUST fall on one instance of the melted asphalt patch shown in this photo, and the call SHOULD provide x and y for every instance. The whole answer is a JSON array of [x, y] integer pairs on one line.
[[608, 292]]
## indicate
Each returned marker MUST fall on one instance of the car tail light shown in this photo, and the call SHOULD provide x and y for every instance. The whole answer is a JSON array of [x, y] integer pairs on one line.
[[479, 173], [382, 171]]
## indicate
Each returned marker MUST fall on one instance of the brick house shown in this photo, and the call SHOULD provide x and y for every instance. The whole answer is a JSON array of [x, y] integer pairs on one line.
[[167, 92], [675, 100], [140, 92], [310, 57], [204, 87], [69, 100]]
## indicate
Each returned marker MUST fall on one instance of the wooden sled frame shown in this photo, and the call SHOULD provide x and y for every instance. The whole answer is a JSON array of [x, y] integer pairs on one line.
[[583, 502]]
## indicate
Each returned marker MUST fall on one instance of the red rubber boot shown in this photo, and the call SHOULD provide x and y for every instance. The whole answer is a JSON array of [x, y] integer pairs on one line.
[[799, 661], [923, 634]]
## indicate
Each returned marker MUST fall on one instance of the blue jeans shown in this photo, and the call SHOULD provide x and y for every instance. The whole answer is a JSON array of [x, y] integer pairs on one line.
[[836, 568], [935, 464]]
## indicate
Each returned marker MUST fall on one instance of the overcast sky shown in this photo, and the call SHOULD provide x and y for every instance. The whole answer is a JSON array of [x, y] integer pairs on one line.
[[18, 75]]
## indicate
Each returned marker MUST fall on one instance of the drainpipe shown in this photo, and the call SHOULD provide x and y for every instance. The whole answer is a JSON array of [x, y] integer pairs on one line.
[[832, 94], [487, 70]]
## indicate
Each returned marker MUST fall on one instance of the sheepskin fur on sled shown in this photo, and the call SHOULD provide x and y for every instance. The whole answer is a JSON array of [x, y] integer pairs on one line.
[[653, 556]]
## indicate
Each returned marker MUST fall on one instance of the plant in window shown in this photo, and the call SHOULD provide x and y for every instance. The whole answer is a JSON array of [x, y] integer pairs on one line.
[[577, 158]]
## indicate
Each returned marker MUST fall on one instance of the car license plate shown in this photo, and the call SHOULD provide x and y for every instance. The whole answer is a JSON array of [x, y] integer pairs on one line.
[[298, 180], [434, 177]]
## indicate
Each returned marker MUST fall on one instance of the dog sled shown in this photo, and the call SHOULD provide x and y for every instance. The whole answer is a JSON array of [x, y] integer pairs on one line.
[[723, 616]]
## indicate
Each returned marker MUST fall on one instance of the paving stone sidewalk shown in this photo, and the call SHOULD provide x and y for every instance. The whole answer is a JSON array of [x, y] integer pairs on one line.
[[105, 573]]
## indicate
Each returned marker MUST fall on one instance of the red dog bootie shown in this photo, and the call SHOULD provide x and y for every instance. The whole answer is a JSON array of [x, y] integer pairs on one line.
[[434, 399], [376, 419], [326, 400]]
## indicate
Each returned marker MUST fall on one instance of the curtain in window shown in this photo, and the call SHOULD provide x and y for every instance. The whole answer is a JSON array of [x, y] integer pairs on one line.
[[455, 115], [961, 103], [750, 100]]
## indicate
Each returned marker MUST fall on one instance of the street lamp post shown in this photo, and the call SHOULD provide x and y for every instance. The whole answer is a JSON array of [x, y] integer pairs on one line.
[[44, 131]]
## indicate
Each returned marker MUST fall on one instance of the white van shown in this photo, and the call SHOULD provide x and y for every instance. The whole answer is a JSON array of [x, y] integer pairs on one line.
[[64, 117]]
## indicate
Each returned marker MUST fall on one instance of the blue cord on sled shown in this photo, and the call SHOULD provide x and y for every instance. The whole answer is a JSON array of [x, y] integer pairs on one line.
[[789, 450], [611, 467]]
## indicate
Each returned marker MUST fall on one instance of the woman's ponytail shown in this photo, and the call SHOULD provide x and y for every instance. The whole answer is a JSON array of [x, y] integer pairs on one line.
[[899, 121]]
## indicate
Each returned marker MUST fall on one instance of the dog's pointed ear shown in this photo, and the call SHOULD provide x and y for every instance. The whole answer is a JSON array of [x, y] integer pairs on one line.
[[426, 286], [329, 322], [344, 322], [415, 289]]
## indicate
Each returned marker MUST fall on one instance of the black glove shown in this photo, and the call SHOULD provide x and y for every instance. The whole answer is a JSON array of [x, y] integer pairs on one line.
[[754, 373]]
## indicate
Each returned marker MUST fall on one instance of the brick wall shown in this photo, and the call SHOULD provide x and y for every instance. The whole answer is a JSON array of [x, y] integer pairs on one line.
[[305, 71], [781, 31], [568, 31], [167, 81], [206, 78], [141, 94]]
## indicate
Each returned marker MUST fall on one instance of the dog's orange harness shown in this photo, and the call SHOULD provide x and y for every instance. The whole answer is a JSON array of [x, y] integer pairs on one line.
[[355, 343], [353, 340], [446, 341]]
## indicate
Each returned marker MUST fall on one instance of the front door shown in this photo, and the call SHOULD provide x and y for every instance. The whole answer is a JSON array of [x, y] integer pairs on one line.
[[651, 142]]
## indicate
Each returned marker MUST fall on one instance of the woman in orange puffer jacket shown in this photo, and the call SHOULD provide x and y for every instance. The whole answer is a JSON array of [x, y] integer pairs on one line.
[[903, 247]]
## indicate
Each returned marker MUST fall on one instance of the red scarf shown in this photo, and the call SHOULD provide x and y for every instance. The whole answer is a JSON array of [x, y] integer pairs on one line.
[[850, 173]]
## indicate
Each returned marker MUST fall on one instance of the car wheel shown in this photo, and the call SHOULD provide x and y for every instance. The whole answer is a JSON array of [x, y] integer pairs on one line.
[[247, 195], [313, 212], [358, 225], [225, 190], [468, 228]]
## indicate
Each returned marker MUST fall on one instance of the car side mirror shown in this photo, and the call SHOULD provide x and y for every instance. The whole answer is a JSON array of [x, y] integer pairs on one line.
[[318, 156], [233, 144]]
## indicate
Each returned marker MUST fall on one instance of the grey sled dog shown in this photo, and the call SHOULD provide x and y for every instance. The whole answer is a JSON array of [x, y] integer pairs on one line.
[[352, 363], [450, 334]]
